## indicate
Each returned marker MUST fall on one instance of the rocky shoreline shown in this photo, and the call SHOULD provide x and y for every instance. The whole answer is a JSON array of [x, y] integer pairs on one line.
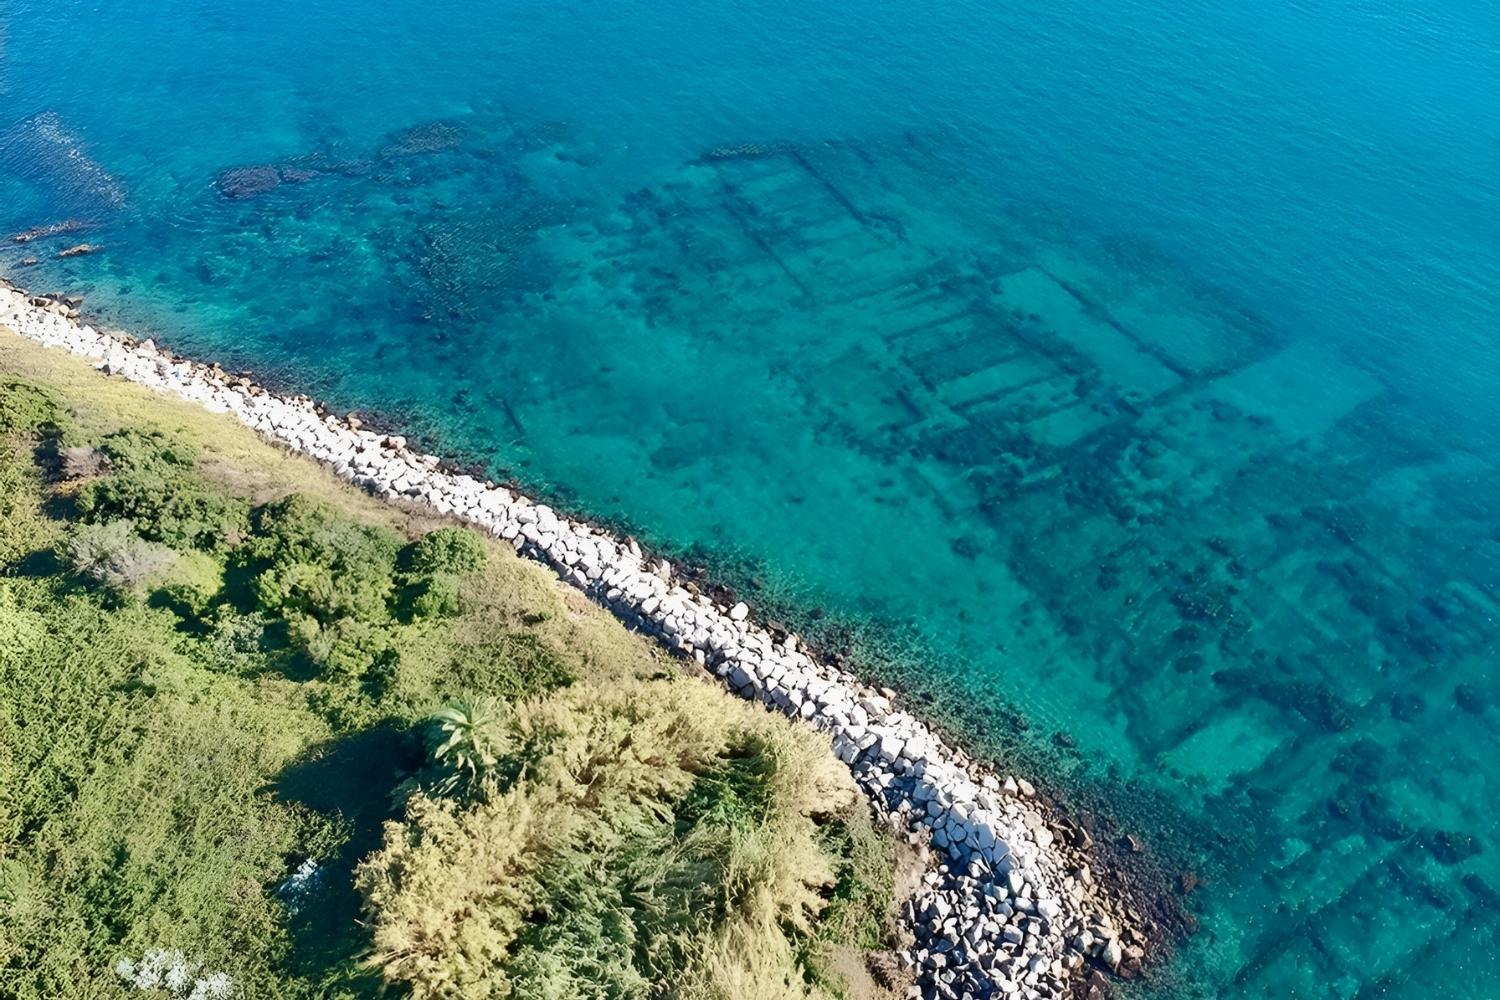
[[1010, 908]]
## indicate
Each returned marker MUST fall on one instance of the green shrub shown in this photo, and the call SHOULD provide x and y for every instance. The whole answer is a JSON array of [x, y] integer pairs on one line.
[[346, 648], [192, 586], [112, 554], [141, 449], [21, 629], [434, 596], [28, 408], [233, 643], [453, 551], [153, 484], [435, 563], [309, 559], [24, 528], [331, 578]]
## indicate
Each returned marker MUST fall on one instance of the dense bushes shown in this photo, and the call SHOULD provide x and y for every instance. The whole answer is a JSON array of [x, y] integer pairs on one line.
[[436, 564], [28, 413], [27, 407], [131, 810], [310, 560], [138, 739], [659, 841], [167, 759], [338, 584], [153, 485], [453, 551], [114, 555]]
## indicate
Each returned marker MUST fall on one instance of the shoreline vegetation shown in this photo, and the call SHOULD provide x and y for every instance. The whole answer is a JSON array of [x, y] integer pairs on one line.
[[492, 864]]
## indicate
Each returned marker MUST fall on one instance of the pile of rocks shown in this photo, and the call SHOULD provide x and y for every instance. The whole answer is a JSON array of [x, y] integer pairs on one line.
[[1006, 912]]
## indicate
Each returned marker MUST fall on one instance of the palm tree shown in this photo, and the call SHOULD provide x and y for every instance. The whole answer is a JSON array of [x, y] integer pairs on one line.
[[467, 742]]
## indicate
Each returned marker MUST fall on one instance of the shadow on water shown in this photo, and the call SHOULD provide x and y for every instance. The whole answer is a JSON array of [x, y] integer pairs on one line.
[[353, 781]]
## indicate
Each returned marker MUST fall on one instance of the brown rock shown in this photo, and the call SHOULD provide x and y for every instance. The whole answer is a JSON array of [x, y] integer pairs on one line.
[[80, 250]]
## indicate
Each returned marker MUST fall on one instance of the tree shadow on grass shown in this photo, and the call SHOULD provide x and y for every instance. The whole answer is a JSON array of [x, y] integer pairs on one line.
[[354, 780]]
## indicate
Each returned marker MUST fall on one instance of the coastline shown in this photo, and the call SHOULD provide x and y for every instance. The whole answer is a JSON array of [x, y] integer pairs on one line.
[[1012, 908]]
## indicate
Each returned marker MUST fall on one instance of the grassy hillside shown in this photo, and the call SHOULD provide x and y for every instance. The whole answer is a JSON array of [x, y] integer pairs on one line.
[[261, 736]]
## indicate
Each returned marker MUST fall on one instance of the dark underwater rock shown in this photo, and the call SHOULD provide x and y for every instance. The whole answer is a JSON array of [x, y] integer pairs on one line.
[[1314, 702], [1381, 820], [431, 137], [1407, 707], [239, 183], [1470, 699], [243, 183], [297, 175], [1482, 891], [1450, 848], [51, 229]]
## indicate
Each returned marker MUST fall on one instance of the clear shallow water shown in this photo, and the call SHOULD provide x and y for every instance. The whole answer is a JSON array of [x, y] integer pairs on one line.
[[1136, 365]]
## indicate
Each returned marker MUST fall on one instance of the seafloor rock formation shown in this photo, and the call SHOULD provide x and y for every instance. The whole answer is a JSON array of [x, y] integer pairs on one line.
[[1010, 909], [240, 183], [244, 183], [429, 137], [51, 229]]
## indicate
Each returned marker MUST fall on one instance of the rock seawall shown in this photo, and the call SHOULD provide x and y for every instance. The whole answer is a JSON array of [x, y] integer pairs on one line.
[[1011, 909]]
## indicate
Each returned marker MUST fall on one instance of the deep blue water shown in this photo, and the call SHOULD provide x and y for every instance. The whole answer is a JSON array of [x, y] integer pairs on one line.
[[1125, 369]]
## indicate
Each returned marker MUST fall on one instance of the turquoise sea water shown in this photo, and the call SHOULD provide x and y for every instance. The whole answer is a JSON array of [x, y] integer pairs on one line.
[[1130, 370]]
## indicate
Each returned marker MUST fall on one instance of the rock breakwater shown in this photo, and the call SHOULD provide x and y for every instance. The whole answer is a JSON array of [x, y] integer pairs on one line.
[[1010, 909]]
